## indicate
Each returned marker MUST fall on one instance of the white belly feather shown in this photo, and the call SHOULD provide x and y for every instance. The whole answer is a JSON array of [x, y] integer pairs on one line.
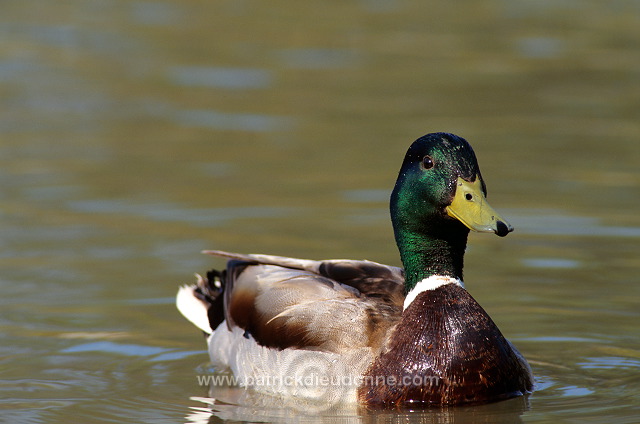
[[316, 376]]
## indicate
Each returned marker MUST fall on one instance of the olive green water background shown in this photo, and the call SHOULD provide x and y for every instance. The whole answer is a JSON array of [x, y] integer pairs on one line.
[[134, 134]]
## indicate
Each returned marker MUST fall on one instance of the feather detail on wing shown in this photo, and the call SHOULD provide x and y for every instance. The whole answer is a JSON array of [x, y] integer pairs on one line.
[[366, 276], [333, 305]]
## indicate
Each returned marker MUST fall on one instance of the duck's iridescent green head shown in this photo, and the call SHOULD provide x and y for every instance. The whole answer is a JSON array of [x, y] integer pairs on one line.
[[439, 181], [439, 195]]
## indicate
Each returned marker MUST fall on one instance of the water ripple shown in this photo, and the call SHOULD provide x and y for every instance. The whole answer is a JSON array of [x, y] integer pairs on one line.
[[554, 263], [610, 362], [230, 78], [167, 212], [310, 58], [231, 121], [122, 349], [565, 225]]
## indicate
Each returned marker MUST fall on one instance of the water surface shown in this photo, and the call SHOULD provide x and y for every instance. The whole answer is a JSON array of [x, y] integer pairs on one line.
[[135, 134]]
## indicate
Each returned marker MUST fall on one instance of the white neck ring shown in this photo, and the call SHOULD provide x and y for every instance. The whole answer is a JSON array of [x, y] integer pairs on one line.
[[430, 283]]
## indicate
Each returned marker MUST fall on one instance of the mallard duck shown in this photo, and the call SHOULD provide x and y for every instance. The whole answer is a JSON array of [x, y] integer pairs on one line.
[[359, 331]]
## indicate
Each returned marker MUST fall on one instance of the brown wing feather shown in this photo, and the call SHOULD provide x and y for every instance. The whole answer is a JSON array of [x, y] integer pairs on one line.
[[370, 278], [330, 305]]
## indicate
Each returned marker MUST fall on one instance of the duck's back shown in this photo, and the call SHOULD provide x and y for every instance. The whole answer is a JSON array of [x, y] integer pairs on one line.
[[333, 305]]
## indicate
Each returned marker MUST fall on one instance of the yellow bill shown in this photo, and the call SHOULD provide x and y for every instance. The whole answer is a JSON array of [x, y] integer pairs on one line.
[[470, 207]]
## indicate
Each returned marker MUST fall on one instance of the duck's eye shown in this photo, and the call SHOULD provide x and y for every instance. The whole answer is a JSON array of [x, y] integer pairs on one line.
[[427, 162]]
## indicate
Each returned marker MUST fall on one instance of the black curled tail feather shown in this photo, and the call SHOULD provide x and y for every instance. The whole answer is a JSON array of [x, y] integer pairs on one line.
[[209, 290], [214, 289]]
